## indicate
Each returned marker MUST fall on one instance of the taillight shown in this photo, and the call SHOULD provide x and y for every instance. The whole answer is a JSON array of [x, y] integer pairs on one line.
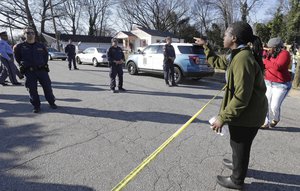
[[195, 59]]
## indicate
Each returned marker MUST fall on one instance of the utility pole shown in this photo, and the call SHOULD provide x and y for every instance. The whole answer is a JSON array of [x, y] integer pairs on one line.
[[54, 25]]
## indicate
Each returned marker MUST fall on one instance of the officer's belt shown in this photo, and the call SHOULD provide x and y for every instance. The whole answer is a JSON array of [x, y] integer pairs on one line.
[[36, 68]]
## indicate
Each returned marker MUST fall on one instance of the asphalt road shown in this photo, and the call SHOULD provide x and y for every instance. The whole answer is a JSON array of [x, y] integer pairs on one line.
[[95, 138]]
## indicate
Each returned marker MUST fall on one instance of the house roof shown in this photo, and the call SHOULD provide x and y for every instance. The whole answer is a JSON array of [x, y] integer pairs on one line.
[[128, 33], [157, 32], [82, 38]]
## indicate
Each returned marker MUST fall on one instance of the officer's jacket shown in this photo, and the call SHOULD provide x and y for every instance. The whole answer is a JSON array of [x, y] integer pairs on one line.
[[168, 52], [115, 54], [31, 55], [70, 50]]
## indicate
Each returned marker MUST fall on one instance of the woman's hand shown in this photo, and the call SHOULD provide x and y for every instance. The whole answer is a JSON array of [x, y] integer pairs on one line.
[[200, 41], [217, 126]]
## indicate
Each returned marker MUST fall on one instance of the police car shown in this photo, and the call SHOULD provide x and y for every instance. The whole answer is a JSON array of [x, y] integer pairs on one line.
[[190, 61]]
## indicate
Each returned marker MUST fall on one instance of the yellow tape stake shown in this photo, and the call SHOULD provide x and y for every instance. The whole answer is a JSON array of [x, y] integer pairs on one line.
[[133, 173]]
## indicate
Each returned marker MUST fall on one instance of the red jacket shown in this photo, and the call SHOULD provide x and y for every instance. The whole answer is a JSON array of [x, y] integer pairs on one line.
[[276, 69]]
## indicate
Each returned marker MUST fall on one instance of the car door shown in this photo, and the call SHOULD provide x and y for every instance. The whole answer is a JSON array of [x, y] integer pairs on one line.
[[84, 55], [158, 58], [90, 55], [146, 62]]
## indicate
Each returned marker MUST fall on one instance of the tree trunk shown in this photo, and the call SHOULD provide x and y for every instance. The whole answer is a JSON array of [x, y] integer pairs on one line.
[[296, 81]]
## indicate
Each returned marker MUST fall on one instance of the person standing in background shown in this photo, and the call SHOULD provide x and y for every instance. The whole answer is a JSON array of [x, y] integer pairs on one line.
[[169, 57], [277, 79], [8, 67], [70, 50], [116, 58]]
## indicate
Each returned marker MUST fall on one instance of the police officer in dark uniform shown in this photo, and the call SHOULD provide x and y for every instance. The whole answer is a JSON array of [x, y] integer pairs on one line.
[[32, 58], [169, 57], [70, 49], [116, 59]]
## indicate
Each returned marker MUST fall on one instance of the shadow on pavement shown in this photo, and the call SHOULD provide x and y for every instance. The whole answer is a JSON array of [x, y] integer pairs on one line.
[[132, 116], [169, 94], [76, 86], [24, 109], [275, 181], [15, 142], [285, 129]]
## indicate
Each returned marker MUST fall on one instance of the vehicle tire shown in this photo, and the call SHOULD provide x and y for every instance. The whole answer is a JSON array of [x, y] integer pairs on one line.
[[49, 57], [132, 68], [177, 75], [78, 61], [95, 62], [64, 59]]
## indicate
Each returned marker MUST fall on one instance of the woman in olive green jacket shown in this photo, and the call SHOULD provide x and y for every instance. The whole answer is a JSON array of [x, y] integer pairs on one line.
[[244, 105]]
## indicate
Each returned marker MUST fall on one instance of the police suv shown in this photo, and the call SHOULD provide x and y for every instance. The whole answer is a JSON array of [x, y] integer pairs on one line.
[[190, 61]]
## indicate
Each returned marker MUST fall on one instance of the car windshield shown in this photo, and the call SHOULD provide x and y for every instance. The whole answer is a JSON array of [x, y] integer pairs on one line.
[[191, 49], [101, 50]]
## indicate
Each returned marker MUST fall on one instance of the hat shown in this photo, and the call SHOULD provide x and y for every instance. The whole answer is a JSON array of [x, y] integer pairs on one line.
[[275, 42], [3, 33]]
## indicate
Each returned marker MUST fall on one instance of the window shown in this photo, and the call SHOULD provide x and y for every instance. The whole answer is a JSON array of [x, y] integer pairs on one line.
[[191, 49]]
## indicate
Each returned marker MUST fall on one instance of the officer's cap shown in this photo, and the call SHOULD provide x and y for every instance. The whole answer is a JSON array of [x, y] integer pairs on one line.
[[3, 33]]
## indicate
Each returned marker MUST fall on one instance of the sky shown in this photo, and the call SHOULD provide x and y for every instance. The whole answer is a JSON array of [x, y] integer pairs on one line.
[[261, 14]]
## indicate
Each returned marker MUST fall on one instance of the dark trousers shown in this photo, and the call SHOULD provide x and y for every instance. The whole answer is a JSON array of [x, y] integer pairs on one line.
[[169, 72], [70, 60], [240, 141], [9, 69], [116, 69], [31, 82]]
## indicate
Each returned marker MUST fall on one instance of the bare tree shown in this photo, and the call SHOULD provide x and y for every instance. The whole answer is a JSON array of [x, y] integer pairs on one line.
[[44, 13], [227, 9], [246, 6], [70, 18], [97, 11], [15, 10], [203, 11], [162, 15]]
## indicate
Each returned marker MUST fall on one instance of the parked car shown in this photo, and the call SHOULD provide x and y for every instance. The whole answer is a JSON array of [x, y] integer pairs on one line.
[[93, 56], [55, 54], [190, 61]]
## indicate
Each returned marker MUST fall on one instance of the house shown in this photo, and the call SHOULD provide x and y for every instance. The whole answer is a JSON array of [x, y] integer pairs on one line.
[[80, 41], [139, 38]]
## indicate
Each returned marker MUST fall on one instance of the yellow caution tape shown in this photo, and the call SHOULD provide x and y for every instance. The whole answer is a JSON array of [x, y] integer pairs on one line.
[[133, 173]]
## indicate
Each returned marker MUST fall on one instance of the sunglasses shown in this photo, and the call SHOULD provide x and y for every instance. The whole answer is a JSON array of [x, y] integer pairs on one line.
[[32, 33]]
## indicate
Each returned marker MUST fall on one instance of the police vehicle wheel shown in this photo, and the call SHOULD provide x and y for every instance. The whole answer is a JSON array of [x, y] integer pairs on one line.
[[132, 69], [95, 62], [177, 75], [78, 60]]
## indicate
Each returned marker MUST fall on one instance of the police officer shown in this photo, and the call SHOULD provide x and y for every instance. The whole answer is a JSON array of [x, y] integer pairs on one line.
[[169, 57], [32, 58], [70, 49], [116, 59], [8, 67]]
